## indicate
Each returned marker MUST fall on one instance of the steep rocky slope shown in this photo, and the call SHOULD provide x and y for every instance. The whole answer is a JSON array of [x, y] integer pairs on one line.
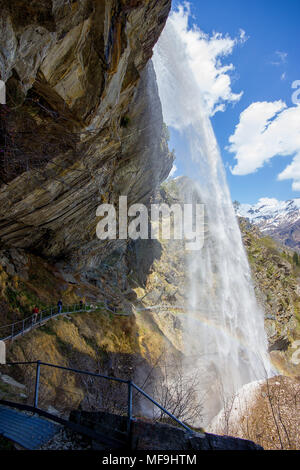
[[123, 346], [148, 273], [276, 280]]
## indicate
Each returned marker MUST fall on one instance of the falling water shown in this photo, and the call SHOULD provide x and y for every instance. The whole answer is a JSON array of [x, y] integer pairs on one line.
[[224, 332]]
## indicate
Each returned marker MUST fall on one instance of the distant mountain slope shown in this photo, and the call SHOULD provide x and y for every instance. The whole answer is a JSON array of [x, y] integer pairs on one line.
[[279, 219], [276, 279]]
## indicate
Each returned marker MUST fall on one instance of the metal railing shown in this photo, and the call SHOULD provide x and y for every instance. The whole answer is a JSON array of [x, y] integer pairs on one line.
[[20, 327], [130, 387]]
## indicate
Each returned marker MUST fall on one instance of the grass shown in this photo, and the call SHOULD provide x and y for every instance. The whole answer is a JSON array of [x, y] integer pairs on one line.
[[4, 388], [31, 296], [8, 392], [93, 344], [12, 297], [47, 329], [297, 315], [268, 242]]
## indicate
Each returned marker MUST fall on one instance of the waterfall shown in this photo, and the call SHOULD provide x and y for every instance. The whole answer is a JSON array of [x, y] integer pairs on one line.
[[225, 340]]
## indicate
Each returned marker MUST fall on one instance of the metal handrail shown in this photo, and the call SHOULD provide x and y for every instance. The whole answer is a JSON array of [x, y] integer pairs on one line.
[[28, 323], [97, 304], [161, 407], [130, 384], [77, 371], [51, 308]]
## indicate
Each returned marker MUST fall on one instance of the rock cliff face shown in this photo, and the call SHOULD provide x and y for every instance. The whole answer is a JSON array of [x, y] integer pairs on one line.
[[83, 121], [276, 279]]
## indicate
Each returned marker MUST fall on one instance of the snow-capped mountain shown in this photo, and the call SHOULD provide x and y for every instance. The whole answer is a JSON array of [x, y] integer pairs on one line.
[[279, 219]]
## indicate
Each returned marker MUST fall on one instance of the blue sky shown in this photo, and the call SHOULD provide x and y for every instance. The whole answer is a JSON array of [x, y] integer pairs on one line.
[[265, 66]]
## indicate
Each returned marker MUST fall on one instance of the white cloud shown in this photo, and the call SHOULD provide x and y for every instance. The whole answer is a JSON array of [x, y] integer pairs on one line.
[[280, 58], [205, 55], [267, 201], [292, 171], [243, 36], [265, 130], [283, 76], [173, 171]]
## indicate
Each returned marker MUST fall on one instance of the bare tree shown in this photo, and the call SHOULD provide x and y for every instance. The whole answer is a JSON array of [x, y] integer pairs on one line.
[[176, 389], [269, 415], [101, 394]]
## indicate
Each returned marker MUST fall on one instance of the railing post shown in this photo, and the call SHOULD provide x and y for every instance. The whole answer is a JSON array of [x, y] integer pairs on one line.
[[129, 414], [23, 326], [12, 330], [37, 384]]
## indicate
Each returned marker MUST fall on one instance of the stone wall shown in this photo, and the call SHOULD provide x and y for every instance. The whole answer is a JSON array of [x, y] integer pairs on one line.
[[147, 435]]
